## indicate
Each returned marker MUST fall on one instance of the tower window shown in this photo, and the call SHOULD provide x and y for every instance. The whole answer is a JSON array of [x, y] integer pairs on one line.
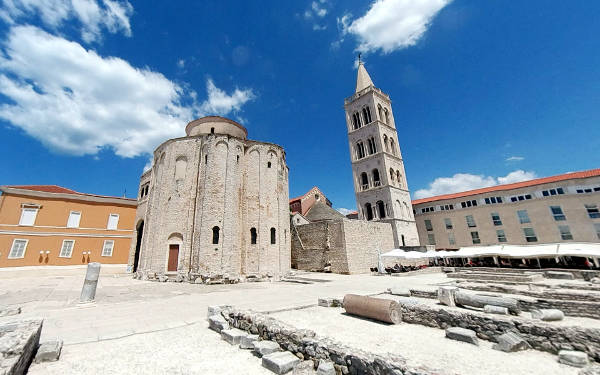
[[379, 109], [368, 211], [269, 165], [392, 173], [371, 146], [376, 180], [273, 236], [212, 130], [215, 239], [237, 159], [387, 118], [392, 146], [367, 115], [253, 236], [205, 159], [381, 209], [364, 181], [360, 150]]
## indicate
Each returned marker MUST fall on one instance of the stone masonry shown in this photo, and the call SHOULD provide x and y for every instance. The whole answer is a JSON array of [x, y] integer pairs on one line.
[[220, 200]]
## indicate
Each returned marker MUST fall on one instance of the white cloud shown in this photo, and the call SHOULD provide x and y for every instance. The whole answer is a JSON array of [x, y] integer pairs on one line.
[[220, 103], [317, 27], [93, 15], [81, 102], [465, 181], [315, 11], [318, 10], [390, 25], [345, 211], [515, 158], [181, 63]]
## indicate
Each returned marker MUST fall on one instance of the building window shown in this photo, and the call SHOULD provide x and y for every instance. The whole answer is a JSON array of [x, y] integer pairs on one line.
[[523, 217], [212, 130], [557, 213], [215, 239], [273, 236], [392, 173], [431, 239], [67, 249], [520, 197], [448, 223], [565, 232], [470, 221], [18, 249], [381, 209], [496, 219], [376, 180], [74, 218], [368, 211], [392, 146], [371, 146], [367, 114], [447, 207], [471, 203], [592, 210], [205, 159], [387, 117], [428, 225], [597, 228], [107, 249], [253, 234], [529, 235], [360, 150], [501, 235], [475, 238], [547, 193], [364, 180], [113, 221], [493, 200], [28, 216], [451, 239], [180, 168]]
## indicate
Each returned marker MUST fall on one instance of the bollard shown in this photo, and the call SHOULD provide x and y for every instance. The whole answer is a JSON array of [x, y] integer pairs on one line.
[[88, 292]]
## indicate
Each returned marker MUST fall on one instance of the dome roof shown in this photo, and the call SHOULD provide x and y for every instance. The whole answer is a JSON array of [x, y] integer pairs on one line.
[[216, 125], [320, 211]]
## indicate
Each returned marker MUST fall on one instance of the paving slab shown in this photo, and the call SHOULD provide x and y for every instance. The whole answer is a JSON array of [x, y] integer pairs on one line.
[[280, 362], [233, 335], [265, 347]]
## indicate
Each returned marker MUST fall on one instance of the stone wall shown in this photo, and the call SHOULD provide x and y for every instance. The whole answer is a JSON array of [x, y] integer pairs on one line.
[[349, 246], [18, 343], [547, 293], [308, 345], [540, 335]]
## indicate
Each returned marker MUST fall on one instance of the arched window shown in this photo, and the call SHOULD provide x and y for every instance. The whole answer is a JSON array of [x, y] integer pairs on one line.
[[273, 236], [364, 180], [212, 130], [400, 210], [355, 122], [253, 236], [392, 146], [269, 165], [379, 109], [399, 178], [215, 235], [358, 120], [366, 115], [387, 118], [403, 243], [392, 173], [381, 209], [206, 159], [368, 211], [385, 143], [376, 180], [369, 114], [371, 146], [360, 150], [237, 159]]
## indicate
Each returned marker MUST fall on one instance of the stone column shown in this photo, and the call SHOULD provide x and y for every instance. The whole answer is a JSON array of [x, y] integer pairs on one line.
[[88, 292]]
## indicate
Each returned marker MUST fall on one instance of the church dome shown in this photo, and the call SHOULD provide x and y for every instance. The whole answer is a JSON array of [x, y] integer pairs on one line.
[[215, 125]]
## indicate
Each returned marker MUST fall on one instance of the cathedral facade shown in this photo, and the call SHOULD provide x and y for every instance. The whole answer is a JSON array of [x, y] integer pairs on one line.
[[214, 206], [378, 168]]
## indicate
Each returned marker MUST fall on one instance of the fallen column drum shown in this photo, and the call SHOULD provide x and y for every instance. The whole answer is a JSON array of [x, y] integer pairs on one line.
[[384, 310]]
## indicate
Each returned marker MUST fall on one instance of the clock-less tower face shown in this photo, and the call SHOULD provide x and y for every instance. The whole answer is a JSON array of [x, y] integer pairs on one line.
[[378, 169]]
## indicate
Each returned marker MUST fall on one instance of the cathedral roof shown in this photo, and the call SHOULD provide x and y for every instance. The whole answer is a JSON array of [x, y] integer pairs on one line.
[[320, 211], [363, 80]]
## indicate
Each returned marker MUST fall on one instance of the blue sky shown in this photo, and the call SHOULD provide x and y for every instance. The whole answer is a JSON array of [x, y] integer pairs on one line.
[[484, 92]]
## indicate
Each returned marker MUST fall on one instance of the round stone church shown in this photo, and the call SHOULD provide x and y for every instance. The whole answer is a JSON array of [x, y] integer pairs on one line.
[[213, 208]]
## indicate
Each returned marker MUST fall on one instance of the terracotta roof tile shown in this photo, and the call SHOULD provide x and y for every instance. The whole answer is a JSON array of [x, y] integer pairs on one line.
[[58, 190], [516, 185]]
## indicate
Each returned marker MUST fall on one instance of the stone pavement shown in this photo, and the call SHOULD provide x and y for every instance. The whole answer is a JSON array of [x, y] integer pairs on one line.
[[136, 312]]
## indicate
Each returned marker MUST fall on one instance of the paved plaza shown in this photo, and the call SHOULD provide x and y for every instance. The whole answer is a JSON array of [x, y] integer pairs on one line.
[[154, 328]]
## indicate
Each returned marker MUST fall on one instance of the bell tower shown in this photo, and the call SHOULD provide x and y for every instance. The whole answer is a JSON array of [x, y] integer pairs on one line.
[[378, 169]]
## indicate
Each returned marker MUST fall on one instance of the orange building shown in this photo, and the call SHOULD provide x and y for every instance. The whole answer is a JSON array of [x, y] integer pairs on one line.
[[304, 202], [50, 225]]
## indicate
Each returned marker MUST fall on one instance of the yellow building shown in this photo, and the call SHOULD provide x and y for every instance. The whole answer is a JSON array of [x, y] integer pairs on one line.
[[50, 225]]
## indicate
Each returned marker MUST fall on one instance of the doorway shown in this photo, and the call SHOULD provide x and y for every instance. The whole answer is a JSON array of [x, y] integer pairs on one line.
[[173, 258], [138, 245]]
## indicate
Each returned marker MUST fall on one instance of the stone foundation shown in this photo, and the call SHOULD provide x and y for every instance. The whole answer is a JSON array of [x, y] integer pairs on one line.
[[307, 345], [193, 278], [18, 344], [541, 336]]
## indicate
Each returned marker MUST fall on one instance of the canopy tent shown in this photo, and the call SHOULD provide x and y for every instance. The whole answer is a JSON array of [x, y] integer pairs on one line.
[[591, 250]]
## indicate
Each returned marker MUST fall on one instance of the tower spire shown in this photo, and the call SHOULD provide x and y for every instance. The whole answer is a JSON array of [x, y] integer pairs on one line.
[[363, 80]]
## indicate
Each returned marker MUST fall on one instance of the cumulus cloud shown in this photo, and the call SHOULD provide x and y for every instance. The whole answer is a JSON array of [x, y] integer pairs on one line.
[[345, 211], [465, 181], [316, 11], [93, 15], [77, 102], [390, 25], [515, 158]]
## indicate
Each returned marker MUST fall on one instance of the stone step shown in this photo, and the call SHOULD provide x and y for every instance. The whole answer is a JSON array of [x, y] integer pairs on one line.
[[233, 335], [280, 362], [265, 347], [573, 358], [462, 334], [217, 323]]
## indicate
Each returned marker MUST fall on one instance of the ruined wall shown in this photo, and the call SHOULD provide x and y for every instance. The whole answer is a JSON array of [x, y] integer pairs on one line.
[[364, 241]]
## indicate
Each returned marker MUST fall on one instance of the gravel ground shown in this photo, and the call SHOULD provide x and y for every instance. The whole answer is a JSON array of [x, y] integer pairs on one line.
[[188, 350], [423, 345]]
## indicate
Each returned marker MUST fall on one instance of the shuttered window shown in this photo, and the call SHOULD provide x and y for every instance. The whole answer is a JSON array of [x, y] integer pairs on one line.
[[74, 218], [113, 221], [28, 216]]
